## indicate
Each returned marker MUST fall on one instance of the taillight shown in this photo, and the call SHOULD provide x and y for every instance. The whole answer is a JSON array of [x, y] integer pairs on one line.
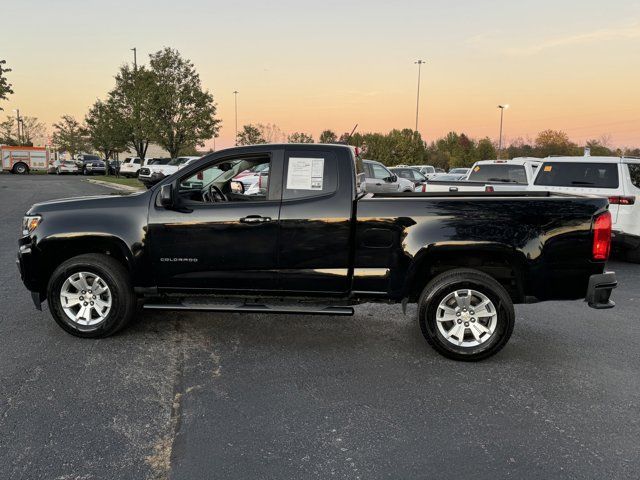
[[259, 181], [200, 176], [602, 236], [424, 187], [622, 200], [489, 188]]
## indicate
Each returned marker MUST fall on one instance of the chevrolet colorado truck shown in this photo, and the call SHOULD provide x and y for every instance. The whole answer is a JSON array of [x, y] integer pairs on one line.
[[313, 241]]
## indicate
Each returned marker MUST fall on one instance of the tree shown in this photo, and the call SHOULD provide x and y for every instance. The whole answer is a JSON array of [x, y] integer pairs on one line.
[[106, 133], [600, 147], [69, 136], [5, 86], [250, 135], [328, 136], [7, 131], [132, 102], [183, 113], [554, 142], [32, 130], [485, 149], [271, 133], [300, 137]]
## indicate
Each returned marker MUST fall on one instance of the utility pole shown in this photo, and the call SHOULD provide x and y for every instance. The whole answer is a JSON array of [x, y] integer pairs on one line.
[[135, 59], [419, 63], [17, 110], [502, 109], [235, 93]]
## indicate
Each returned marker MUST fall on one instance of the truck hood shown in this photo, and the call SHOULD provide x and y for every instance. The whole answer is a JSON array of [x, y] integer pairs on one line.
[[72, 203]]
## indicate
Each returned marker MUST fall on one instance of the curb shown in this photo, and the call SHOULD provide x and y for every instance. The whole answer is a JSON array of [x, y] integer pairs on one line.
[[115, 186]]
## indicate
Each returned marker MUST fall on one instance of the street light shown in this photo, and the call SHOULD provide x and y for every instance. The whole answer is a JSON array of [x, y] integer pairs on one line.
[[235, 94], [135, 59], [502, 109], [419, 63]]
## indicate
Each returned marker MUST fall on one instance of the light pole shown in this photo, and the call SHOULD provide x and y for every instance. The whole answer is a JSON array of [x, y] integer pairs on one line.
[[235, 94], [419, 63], [17, 110], [502, 109], [135, 59]]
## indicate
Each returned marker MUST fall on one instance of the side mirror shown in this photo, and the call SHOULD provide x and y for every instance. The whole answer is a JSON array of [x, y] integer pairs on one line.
[[166, 195], [237, 187], [392, 178]]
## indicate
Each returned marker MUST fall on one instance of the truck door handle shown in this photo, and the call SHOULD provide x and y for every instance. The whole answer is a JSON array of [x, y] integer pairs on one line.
[[251, 219], [378, 184]]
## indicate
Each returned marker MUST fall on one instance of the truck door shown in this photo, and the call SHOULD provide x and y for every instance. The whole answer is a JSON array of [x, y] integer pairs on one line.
[[218, 239], [315, 221]]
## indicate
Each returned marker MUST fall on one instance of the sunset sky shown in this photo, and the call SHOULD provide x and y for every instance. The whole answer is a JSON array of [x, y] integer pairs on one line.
[[307, 66]]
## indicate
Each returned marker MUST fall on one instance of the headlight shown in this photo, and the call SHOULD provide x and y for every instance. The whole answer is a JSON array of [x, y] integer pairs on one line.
[[29, 223]]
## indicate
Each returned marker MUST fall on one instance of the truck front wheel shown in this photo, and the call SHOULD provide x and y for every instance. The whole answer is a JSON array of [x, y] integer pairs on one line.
[[91, 296], [466, 314], [20, 168]]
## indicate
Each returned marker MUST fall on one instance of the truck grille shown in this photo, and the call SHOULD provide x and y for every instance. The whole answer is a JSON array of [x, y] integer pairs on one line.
[[144, 171]]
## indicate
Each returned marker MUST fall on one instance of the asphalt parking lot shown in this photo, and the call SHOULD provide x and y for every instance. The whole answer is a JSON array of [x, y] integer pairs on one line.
[[187, 396]]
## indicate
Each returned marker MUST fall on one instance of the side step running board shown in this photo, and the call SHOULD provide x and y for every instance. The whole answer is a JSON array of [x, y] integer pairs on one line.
[[251, 307]]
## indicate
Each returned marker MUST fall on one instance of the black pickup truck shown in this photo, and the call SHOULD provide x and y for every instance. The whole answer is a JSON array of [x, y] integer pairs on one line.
[[307, 239]]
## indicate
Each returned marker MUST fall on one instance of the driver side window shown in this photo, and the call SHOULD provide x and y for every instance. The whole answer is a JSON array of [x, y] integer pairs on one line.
[[232, 180], [379, 172]]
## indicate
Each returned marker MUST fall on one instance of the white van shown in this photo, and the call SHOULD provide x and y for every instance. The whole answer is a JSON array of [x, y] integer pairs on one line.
[[130, 167], [617, 178]]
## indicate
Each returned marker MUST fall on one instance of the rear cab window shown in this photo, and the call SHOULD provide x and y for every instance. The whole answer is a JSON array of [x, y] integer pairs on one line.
[[578, 174], [498, 172], [309, 174]]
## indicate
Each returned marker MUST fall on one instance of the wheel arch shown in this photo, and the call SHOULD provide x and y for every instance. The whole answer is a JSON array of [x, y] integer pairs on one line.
[[55, 251], [498, 261]]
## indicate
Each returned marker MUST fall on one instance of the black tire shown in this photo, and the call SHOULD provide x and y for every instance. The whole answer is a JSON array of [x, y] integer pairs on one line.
[[114, 274], [446, 283], [20, 168]]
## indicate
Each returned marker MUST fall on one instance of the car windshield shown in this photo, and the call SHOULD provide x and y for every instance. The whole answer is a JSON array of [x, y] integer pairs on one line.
[[91, 157], [503, 172]]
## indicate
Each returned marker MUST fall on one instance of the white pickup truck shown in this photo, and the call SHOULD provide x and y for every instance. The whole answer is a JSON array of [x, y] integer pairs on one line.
[[492, 176], [149, 175]]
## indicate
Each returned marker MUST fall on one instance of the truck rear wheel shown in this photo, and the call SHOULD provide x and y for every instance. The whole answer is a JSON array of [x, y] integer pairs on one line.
[[466, 314], [20, 168], [91, 296]]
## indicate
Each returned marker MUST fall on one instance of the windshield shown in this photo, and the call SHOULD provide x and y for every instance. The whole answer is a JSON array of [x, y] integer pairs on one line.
[[91, 157], [578, 174], [503, 172]]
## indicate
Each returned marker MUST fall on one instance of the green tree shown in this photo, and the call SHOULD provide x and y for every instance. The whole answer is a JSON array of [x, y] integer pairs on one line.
[[70, 136], [485, 149], [7, 131], [5, 86], [328, 136], [300, 137], [106, 133], [250, 135], [554, 142], [600, 148], [183, 113], [132, 100]]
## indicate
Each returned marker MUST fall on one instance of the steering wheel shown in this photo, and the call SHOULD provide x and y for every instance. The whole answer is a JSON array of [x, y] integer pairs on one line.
[[216, 195]]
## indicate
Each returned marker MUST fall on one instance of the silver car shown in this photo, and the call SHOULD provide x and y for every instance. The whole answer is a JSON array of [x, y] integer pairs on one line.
[[379, 179]]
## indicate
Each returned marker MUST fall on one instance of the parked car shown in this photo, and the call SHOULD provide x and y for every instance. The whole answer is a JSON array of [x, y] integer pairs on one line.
[[427, 170], [130, 167], [315, 243], [251, 177], [90, 164], [60, 167], [459, 171], [448, 177], [411, 174], [615, 178], [21, 160], [151, 174], [379, 179], [491, 175], [113, 166]]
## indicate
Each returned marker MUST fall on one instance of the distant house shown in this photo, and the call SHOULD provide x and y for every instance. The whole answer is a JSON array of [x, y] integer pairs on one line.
[[154, 151]]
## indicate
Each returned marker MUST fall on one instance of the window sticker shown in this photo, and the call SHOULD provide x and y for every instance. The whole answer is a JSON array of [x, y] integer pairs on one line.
[[305, 173], [477, 169], [548, 168]]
